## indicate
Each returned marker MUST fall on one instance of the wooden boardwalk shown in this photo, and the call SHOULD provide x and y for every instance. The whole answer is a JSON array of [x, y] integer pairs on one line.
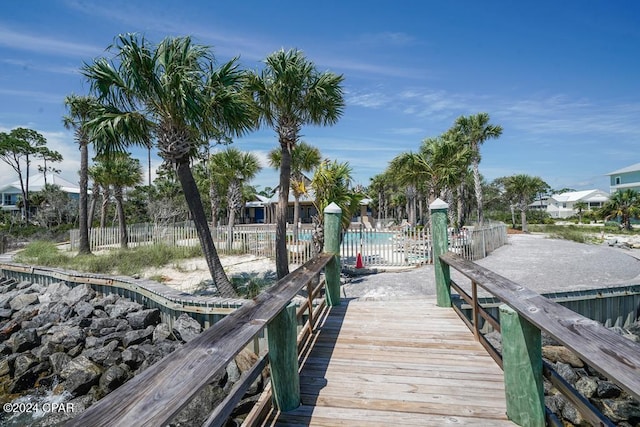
[[396, 363]]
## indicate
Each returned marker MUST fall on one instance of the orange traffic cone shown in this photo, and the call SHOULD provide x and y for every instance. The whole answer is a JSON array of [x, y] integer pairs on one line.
[[359, 263]]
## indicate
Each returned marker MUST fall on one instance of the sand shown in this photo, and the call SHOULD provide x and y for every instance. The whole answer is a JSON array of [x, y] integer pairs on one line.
[[185, 275]]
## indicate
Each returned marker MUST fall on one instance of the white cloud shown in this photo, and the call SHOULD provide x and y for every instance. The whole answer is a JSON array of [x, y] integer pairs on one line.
[[45, 43]]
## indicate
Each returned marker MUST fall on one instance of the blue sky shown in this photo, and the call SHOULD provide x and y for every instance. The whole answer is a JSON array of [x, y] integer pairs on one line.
[[561, 77]]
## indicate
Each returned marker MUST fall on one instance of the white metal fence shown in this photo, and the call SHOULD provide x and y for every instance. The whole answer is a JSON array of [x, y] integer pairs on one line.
[[377, 248]]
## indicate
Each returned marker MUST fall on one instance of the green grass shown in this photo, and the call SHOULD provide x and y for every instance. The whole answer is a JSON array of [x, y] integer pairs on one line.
[[127, 262]]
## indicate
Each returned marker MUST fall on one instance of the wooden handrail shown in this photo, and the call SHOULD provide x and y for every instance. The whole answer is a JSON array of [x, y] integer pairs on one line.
[[612, 355], [156, 395]]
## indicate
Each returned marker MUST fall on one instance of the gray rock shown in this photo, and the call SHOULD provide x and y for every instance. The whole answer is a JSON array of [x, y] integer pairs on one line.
[[570, 413], [69, 337], [133, 357], [112, 378], [186, 328], [196, 411], [587, 386], [80, 374], [23, 362], [121, 308], [44, 352], [620, 410], [137, 336], [162, 332], [7, 365], [143, 318], [100, 354], [83, 309], [607, 390], [24, 340], [5, 313], [54, 292], [21, 301], [79, 293], [27, 379], [102, 302], [102, 323], [59, 361], [566, 372]]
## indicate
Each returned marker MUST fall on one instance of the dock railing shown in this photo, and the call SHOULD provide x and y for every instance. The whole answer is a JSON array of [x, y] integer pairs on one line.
[[156, 395], [523, 317]]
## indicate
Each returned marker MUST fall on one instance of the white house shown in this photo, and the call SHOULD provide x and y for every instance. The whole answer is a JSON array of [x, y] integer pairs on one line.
[[11, 193], [563, 205]]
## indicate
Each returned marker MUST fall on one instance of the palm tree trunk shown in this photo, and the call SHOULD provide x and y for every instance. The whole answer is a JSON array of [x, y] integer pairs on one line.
[[214, 197], [282, 259], [95, 192], [478, 189], [194, 202], [523, 219], [105, 203], [460, 206], [83, 219], [122, 223], [232, 220], [296, 216]]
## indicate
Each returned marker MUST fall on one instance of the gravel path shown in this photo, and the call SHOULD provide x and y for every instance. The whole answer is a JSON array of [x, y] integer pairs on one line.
[[532, 260]]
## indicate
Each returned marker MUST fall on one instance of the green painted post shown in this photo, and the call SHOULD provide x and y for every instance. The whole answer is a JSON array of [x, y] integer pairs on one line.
[[440, 245], [332, 227], [522, 365], [283, 358]]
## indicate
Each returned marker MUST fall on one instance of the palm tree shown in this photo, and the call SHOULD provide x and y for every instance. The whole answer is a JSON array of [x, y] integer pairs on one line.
[[474, 130], [520, 190], [99, 174], [449, 166], [377, 192], [120, 171], [408, 169], [580, 207], [331, 183], [81, 110], [304, 158], [235, 168], [173, 93], [624, 204], [290, 93]]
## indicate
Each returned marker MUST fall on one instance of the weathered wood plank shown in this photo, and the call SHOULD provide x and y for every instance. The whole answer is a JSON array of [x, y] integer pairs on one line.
[[156, 395], [381, 374], [614, 356]]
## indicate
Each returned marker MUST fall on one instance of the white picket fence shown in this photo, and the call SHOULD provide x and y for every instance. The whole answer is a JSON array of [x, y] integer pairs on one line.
[[377, 248]]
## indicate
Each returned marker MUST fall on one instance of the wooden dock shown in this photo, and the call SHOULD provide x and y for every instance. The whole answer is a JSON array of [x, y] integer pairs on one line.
[[396, 363]]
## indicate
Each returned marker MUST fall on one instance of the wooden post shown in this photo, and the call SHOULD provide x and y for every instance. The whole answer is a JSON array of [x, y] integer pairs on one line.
[[332, 226], [283, 357], [522, 365], [440, 246]]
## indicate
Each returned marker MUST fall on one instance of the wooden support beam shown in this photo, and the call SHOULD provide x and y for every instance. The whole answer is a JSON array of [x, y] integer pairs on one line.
[[283, 357], [522, 364], [332, 227], [440, 246]]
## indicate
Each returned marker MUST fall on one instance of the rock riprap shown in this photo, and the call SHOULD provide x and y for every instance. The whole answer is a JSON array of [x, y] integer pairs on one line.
[[77, 346]]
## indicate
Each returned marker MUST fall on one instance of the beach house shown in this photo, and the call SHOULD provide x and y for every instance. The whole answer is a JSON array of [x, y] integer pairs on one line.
[[625, 178], [11, 193], [564, 205]]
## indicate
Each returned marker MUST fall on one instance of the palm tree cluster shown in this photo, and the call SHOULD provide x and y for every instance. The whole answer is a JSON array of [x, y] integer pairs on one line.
[[623, 205], [176, 98], [445, 166]]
